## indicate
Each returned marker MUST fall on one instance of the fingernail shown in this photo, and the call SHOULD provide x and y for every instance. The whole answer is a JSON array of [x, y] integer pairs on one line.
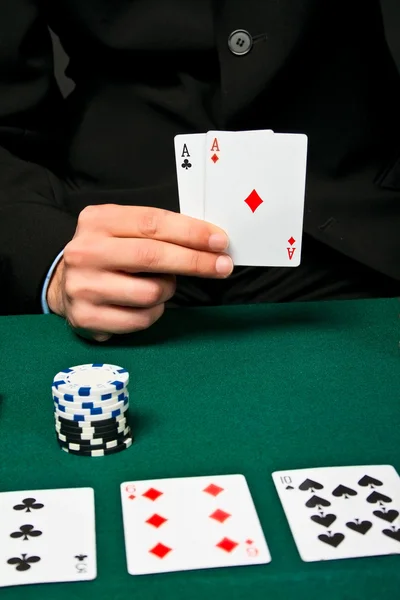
[[218, 242], [224, 265]]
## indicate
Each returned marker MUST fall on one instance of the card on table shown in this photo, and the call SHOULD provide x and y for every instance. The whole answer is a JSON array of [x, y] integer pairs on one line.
[[47, 536], [190, 523], [342, 512]]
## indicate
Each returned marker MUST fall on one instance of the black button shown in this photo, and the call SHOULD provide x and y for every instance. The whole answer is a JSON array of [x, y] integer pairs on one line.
[[240, 42]]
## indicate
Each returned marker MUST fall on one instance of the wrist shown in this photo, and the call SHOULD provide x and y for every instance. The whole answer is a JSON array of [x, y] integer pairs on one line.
[[54, 291]]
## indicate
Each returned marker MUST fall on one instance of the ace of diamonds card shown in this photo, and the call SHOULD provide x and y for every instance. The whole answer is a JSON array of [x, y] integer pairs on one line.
[[254, 190]]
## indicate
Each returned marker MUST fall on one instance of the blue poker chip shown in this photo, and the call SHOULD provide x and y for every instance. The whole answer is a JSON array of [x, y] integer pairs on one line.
[[91, 380]]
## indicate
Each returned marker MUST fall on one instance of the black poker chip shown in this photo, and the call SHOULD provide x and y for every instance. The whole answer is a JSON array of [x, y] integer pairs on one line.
[[83, 431], [99, 427], [106, 436], [94, 443], [78, 447], [104, 452], [88, 424]]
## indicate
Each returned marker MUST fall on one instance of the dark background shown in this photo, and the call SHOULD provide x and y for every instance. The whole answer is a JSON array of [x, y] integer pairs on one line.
[[391, 13]]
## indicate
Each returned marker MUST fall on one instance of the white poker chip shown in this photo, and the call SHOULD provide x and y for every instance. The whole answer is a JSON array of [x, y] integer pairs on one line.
[[91, 380], [90, 417], [98, 400], [90, 403], [94, 410]]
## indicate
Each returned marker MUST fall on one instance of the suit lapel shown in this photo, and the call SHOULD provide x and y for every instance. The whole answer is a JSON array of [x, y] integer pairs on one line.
[[391, 20]]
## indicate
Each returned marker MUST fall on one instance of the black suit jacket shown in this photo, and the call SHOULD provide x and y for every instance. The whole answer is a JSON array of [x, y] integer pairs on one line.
[[148, 69]]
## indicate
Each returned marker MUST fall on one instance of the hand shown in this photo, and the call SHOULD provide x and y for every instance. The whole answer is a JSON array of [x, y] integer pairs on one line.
[[95, 286]]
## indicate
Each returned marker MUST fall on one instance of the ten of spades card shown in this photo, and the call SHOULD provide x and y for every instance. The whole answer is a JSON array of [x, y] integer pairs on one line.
[[342, 512]]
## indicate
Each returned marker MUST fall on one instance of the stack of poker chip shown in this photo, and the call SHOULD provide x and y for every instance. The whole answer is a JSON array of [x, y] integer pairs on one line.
[[91, 405]]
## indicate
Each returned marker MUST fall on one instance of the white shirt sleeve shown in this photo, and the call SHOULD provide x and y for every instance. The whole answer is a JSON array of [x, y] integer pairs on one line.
[[45, 306]]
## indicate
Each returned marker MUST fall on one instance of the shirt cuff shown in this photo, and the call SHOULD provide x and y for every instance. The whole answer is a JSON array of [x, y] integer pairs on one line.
[[45, 307]]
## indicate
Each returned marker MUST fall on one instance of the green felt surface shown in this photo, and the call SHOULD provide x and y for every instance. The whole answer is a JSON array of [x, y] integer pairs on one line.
[[228, 390]]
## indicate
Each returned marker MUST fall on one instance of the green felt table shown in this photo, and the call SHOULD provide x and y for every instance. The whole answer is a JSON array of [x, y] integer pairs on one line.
[[246, 389]]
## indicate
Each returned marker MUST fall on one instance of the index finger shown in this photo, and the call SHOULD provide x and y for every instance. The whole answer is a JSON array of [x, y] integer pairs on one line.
[[154, 223]]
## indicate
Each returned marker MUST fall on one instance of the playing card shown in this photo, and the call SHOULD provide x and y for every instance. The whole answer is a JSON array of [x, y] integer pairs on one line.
[[189, 156], [342, 512], [255, 185], [190, 523], [190, 170], [47, 536]]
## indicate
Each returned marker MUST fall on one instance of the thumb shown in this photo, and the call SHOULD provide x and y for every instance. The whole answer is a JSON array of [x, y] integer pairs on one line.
[[101, 337], [97, 336]]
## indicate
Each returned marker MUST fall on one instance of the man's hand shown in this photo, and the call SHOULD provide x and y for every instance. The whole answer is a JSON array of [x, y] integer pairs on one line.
[[97, 286]]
